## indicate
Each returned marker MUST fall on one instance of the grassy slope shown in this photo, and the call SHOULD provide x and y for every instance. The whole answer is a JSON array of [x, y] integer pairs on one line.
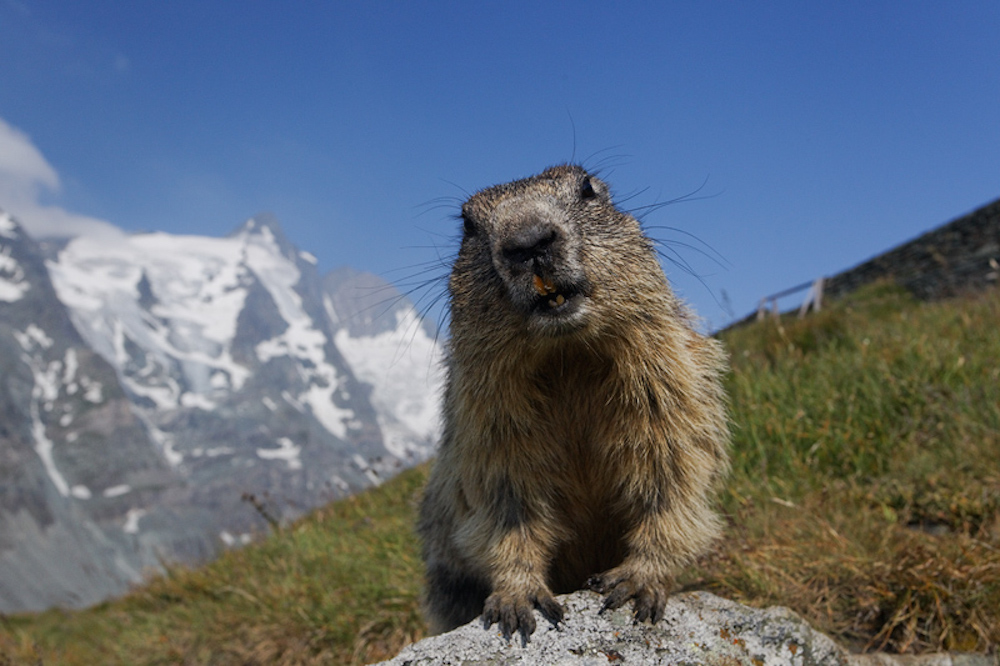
[[339, 586], [866, 484], [865, 494]]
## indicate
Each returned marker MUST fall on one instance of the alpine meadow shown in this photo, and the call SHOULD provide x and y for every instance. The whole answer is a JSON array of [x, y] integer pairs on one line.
[[865, 495]]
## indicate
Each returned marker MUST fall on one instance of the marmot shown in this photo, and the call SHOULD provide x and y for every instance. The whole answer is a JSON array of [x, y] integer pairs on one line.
[[584, 420]]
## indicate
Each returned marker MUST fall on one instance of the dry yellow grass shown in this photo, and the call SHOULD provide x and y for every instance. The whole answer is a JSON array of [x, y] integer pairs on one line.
[[866, 490]]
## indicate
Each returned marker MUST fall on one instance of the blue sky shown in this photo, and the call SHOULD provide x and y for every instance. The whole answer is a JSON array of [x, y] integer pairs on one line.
[[826, 132]]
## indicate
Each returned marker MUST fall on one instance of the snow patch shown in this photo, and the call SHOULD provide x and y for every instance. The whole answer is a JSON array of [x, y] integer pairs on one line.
[[80, 492], [44, 448], [238, 540], [369, 473], [164, 441], [93, 390], [301, 341], [308, 258], [8, 227], [298, 406], [213, 452], [335, 419], [33, 336], [13, 286], [154, 303], [117, 491], [163, 309], [44, 391], [71, 366], [132, 519], [340, 484], [286, 451], [198, 401], [404, 368], [331, 312]]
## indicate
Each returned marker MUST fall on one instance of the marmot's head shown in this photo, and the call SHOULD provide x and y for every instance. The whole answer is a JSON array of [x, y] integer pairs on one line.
[[551, 255]]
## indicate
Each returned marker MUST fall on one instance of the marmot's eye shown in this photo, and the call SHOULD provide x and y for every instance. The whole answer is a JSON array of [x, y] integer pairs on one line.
[[587, 189], [469, 226]]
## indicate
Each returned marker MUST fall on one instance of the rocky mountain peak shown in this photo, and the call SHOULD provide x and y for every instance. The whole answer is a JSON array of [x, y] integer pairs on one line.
[[265, 229], [147, 385]]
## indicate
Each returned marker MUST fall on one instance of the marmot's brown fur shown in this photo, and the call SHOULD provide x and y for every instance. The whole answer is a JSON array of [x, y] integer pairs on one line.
[[584, 421]]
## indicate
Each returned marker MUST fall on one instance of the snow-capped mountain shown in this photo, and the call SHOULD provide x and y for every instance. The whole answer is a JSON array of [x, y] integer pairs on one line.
[[243, 375], [389, 347], [69, 444]]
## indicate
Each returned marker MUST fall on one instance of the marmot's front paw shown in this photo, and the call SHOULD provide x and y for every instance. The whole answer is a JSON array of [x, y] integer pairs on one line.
[[619, 585], [513, 612]]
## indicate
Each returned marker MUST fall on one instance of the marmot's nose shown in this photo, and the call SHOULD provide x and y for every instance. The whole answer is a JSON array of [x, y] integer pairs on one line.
[[533, 241]]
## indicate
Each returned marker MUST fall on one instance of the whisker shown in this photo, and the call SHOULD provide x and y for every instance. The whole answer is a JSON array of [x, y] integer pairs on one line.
[[709, 253], [687, 268], [607, 163]]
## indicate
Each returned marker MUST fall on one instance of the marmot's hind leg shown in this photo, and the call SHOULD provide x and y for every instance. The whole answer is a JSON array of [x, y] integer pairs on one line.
[[453, 598]]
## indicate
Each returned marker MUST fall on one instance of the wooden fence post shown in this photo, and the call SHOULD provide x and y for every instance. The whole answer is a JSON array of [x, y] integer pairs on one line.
[[814, 298]]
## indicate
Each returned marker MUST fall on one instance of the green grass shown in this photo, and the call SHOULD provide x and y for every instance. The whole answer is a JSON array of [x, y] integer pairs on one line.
[[865, 495], [340, 586], [866, 485]]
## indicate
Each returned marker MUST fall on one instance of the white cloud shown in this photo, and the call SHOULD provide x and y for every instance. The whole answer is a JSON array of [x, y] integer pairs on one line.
[[24, 175], [20, 160]]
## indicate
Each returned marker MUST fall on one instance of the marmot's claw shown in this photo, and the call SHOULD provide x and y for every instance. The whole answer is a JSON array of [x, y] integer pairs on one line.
[[650, 605], [551, 609], [650, 600], [510, 615], [514, 614], [599, 583], [617, 596]]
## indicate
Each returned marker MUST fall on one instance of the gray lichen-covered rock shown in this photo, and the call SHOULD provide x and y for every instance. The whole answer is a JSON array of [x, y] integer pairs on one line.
[[698, 628]]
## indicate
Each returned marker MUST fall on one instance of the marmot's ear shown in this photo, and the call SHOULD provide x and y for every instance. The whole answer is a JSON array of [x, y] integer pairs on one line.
[[468, 226]]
